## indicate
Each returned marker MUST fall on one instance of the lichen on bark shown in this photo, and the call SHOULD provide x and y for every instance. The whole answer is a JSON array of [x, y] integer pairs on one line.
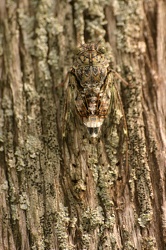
[[63, 190]]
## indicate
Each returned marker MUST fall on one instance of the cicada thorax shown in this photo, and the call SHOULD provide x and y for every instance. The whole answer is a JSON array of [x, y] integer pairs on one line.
[[92, 101]]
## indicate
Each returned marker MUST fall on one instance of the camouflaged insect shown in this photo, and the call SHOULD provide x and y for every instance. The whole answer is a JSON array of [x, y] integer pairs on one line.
[[94, 120], [90, 69], [92, 81]]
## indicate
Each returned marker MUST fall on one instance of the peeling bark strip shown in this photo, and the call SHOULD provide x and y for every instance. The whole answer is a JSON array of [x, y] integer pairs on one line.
[[65, 193]]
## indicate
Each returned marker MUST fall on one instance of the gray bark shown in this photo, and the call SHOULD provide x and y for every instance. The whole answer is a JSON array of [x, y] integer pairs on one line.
[[54, 191]]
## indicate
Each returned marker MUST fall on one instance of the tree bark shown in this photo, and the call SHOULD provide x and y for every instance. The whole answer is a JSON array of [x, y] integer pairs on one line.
[[58, 190]]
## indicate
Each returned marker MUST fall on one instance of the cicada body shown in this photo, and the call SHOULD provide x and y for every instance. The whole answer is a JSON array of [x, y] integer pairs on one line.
[[94, 130], [90, 80]]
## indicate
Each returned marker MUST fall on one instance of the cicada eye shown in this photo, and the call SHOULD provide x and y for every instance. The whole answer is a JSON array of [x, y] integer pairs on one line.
[[101, 49]]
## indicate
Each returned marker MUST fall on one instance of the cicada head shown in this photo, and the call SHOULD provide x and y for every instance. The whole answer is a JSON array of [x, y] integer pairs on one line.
[[90, 54]]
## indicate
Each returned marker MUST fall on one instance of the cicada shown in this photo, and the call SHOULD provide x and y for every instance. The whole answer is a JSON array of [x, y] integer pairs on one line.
[[93, 87], [94, 111]]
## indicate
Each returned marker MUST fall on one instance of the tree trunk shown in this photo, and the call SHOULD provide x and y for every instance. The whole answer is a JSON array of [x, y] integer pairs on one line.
[[58, 189]]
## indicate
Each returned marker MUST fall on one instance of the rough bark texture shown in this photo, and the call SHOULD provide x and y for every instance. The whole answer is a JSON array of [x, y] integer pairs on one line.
[[52, 196]]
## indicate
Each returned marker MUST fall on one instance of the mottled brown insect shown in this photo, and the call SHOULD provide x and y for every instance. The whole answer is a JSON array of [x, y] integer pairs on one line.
[[90, 72], [92, 81], [94, 123]]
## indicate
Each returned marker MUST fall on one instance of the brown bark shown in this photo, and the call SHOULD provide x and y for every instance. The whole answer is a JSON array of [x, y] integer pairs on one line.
[[56, 191]]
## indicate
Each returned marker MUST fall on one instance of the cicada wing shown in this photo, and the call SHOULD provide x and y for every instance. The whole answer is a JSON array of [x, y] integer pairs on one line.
[[69, 115], [114, 133], [76, 152], [73, 128]]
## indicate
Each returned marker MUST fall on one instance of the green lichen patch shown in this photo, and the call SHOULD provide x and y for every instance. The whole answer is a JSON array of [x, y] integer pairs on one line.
[[129, 16]]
